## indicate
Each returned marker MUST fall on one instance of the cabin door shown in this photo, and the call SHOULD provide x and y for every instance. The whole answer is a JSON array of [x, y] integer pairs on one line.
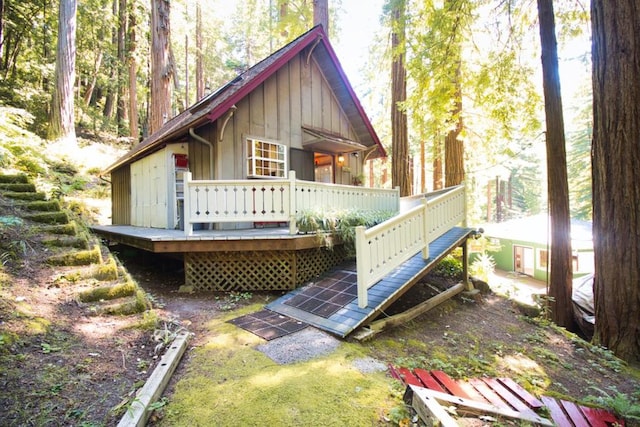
[[302, 163], [523, 260]]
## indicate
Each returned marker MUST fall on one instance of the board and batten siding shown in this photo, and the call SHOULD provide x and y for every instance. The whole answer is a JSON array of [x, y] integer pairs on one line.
[[297, 95], [121, 196]]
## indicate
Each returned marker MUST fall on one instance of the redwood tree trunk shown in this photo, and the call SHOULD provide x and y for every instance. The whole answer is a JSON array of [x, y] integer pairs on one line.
[[161, 65], [134, 131], [199, 68], [453, 146], [62, 114], [616, 174], [321, 14], [121, 107], [400, 174], [560, 260], [437, 164]]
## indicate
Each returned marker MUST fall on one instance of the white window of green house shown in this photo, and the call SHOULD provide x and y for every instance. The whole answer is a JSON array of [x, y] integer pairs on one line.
[[266, 159]]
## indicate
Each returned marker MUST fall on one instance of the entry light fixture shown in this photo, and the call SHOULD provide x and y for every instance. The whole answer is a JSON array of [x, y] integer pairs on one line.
[[340, 159]]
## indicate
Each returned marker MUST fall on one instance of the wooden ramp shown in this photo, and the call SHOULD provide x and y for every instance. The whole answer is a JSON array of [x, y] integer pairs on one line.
[[330, 303]]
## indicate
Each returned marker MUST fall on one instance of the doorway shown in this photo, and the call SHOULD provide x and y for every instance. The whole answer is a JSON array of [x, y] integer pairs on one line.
[[523, 260]]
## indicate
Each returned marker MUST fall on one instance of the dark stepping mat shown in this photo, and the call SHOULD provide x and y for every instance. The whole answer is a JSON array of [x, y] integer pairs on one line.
[[268, 324]]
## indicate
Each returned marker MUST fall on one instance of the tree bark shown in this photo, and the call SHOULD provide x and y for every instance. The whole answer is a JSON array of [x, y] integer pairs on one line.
[[453, 146], [161, 65], [615, 173], [560, 261], [437, 163], [400, 176], [321, 14], [134, 130], [121, 106], [62, 112], [199, 67]]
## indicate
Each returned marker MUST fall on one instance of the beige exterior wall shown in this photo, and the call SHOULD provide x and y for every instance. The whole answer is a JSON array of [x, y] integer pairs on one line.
[[297, 95], [153, 197]]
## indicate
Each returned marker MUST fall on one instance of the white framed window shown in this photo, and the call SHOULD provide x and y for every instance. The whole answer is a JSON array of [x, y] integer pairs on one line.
[[266, 159]]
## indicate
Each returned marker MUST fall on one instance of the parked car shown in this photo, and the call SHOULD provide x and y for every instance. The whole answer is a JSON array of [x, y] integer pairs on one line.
[[583, 310]]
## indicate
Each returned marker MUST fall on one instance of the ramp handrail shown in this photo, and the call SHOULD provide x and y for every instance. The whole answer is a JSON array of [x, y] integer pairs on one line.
[[382, 248]]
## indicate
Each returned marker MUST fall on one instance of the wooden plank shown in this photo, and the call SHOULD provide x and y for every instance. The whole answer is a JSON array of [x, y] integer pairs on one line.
[[472, 392], [451, 386], [475, 408], [137, 414], [557, 414], [487, 393], [523, 394], [506, 395], [408, 377], [428, 408], [428, 381], [574, 413], [598, 417], [416, 311]]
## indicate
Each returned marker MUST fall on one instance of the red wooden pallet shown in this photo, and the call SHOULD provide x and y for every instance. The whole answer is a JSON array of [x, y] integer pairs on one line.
[[506, 393]]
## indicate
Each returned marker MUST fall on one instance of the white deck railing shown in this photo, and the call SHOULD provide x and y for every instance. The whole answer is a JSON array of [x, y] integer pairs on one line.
[[382, 248], [274, 200]]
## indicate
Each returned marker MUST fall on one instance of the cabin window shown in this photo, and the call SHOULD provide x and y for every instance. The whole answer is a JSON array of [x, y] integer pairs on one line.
[[266, 159]]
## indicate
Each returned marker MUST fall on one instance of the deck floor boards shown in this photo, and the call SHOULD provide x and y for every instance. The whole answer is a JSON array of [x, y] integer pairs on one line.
[[346, 319]]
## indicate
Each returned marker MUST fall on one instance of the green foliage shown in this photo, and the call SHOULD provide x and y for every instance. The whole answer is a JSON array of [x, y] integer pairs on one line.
[[341, 222], [622, 404], [482, 267], [20, 148], [450, 266]]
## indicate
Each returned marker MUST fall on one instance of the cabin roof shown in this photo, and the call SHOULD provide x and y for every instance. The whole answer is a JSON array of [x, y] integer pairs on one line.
[[215, 105], [536, 229]]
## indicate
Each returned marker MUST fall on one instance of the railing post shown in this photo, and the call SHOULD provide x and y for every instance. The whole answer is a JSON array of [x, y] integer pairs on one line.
[[361, 267], [186, 208], [293, 227], [464, 194], [425, 249]]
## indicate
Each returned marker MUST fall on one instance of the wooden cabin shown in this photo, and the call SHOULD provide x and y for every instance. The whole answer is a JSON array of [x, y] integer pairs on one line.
[[221, 184], [295, 110]]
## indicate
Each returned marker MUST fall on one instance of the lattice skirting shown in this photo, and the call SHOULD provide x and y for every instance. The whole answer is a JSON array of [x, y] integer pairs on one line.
[[258, 270]]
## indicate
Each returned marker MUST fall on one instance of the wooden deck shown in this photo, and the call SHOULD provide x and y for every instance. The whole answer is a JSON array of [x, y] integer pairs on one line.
[[175, 241], [348, 316]]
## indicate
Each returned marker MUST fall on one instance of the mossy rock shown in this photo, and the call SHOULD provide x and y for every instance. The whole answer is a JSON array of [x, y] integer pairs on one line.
[[67, 242], [68, 229], [49, 217], [106, 271], [18, 188], [119, 290], [77, 258], [14, 179], [139, 303], [42, 206], [25, 196]]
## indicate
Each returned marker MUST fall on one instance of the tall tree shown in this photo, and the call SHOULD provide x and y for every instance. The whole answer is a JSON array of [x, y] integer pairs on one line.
[[121, 107], [62, 125], [321, 14], [560, 259], [134, 132], [400, 172], [162, 68], [199, 62], [615, 160]]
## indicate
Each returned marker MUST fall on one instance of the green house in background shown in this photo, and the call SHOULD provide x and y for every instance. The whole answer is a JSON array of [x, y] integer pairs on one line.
[[525, 246]]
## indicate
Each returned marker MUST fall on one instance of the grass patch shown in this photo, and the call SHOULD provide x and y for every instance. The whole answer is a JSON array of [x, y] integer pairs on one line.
[[231, 383]]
